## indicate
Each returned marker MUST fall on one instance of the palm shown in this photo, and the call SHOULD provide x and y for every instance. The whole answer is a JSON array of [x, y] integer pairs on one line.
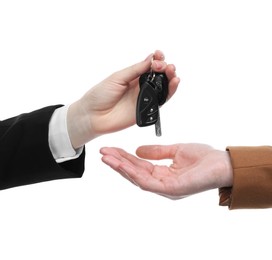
[[184, 176]]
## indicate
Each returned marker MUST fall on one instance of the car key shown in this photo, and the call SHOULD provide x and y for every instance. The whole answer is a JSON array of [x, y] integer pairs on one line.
[[153, 94]]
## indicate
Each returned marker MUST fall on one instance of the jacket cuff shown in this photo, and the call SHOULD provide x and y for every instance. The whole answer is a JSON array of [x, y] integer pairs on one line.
[[252, 178]]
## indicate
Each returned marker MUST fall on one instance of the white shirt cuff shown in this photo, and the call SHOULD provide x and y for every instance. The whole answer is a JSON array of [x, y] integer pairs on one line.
[[58, 137]]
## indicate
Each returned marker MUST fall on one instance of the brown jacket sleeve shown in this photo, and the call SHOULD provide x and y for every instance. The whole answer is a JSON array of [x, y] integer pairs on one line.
[[252, 178]]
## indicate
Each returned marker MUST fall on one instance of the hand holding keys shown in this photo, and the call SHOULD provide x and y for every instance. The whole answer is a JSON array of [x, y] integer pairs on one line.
[[153, 93]]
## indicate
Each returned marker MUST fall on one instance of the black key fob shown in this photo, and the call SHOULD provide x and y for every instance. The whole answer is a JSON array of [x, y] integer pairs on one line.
[[153, 93]]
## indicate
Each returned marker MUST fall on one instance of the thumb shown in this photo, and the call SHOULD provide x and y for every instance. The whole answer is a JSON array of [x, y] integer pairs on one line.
[[156, 152], [134, 71]]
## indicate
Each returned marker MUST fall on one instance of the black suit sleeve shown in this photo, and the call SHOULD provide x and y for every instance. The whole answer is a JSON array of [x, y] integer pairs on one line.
[[25, 156]]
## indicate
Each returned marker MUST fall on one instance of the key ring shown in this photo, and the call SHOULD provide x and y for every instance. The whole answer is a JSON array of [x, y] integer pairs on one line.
[[152, 74]]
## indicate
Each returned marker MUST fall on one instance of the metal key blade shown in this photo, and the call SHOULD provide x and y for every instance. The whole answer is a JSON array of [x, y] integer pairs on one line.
[[158, 125]]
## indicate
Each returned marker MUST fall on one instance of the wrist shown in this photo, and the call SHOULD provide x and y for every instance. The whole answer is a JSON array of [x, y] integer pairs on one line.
[[227, 171], [79, 125]]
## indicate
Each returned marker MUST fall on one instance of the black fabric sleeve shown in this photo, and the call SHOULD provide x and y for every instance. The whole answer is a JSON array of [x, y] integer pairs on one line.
[[25, 156]]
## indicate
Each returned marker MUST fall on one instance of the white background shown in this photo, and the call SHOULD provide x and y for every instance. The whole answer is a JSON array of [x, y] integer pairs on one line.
[[53, 51]]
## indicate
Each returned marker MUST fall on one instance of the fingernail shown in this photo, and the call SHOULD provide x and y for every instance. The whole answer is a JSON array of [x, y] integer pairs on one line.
[[157, 65]]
